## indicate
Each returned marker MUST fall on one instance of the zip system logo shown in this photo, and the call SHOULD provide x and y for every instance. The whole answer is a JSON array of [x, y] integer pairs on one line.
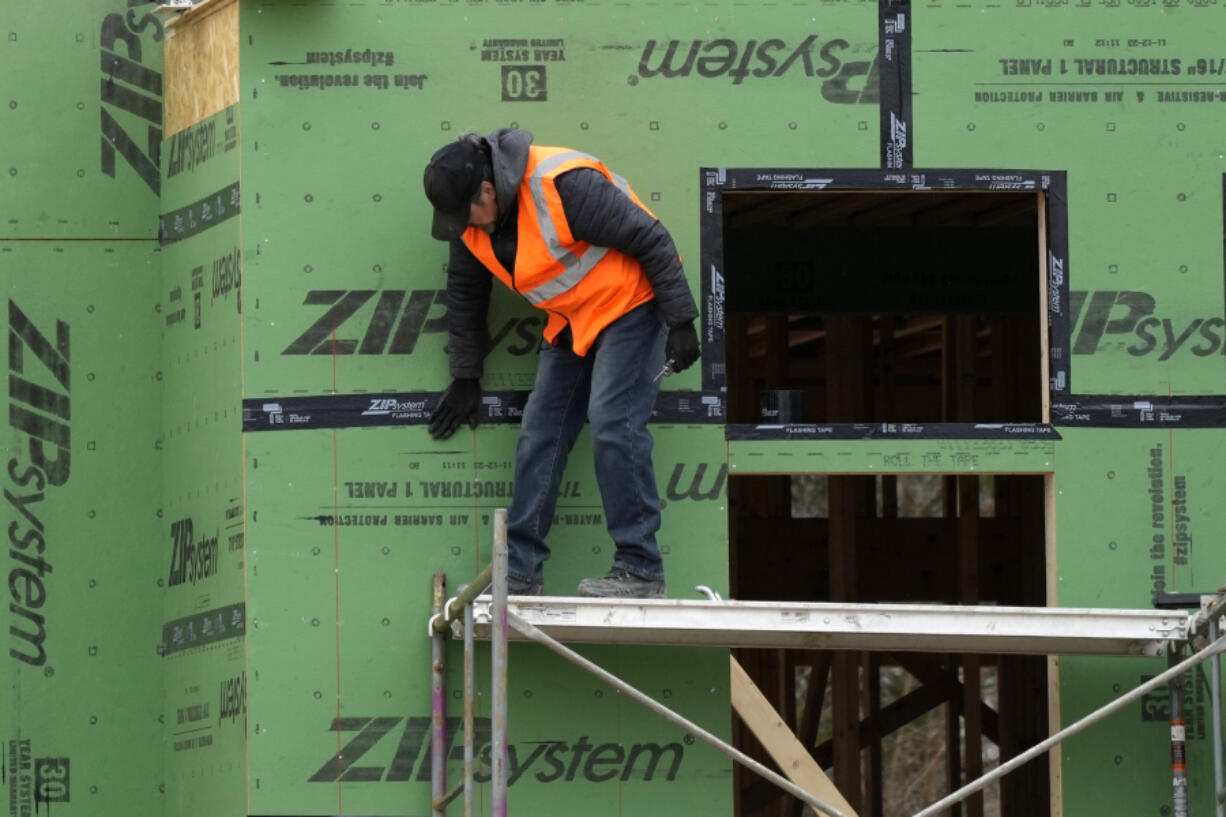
[[396, 409], [394, 325], [190, 559], [39, 413], [1129, 321], [845, 81], [131, 91], [549, 760]]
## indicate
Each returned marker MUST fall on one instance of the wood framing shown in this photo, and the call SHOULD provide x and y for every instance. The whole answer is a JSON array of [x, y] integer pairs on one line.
[[855, 313]]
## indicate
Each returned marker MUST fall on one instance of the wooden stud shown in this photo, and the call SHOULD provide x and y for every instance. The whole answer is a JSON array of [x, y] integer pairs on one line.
[[953, 741], [815, 696], [966, 358], [871, 706], [968, 540], [953, 709], [845, 384], [771, 730], [845, 668]]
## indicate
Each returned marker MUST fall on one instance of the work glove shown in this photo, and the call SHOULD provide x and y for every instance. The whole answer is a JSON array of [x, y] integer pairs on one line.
[[457, 405], [681, 348]]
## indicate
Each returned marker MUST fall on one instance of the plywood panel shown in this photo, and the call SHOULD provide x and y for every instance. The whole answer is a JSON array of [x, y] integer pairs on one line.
[[201, 63]]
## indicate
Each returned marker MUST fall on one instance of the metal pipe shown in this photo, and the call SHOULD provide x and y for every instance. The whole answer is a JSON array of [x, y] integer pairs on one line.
[[1216, 699], [469, 695], [1094, 717], [820, 806], [438, 707], [464, 598], [1179, 751], [498, 685]]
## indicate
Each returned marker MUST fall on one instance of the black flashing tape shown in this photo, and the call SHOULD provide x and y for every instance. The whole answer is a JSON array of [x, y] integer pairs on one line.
[[793, 178], [691, 407], [893, 65], [893, 431], [1140, 411], [1059, 324], [711, 279], [1178, 601], [199, 216], [286, 412]]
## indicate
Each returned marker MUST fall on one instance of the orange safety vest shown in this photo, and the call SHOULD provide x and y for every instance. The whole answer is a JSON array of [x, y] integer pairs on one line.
[[579, 284]]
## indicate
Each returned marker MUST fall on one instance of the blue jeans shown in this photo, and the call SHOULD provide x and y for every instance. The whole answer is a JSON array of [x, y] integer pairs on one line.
[[613, 387]]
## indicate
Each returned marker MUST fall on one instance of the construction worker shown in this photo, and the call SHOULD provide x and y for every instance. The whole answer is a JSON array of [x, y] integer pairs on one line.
[[569, 236]]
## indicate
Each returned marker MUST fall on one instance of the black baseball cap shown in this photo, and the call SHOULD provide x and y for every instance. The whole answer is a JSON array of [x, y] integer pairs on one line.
[[452, 178]]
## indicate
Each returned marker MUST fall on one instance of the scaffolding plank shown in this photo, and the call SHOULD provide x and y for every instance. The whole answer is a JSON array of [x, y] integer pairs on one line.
[[845, 626]]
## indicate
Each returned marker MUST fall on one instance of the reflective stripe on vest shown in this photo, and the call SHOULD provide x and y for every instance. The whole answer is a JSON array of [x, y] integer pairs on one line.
[[576, 266]]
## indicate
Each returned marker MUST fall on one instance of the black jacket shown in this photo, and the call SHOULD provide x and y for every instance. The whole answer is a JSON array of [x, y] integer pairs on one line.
[[596, 211]]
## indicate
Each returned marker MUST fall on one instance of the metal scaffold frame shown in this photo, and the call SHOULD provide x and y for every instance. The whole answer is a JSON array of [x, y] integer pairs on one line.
[[826, 626]]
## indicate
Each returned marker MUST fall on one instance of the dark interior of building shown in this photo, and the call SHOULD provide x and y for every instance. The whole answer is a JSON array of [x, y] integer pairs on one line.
[[882, 307]]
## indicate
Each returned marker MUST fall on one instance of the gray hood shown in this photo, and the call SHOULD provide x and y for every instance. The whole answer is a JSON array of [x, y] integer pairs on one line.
[[509, 149]]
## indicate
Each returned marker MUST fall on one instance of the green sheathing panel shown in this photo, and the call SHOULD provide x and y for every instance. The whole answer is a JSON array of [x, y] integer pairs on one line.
[[333, 209], [81, 119], [201, 535], [346, 529], [892, 456], [82, 476], [1136, 514], [1128, 98]]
